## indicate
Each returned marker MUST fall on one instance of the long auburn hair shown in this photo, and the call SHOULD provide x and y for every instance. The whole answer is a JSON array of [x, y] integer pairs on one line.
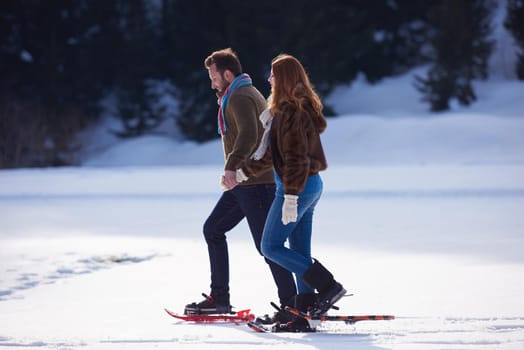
[[292, 87]]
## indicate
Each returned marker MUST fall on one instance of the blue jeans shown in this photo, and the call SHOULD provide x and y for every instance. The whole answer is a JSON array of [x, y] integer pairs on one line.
[[253, 203], [297, 257]]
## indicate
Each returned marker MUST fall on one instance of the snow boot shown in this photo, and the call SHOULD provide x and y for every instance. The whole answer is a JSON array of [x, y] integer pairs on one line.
[[280, 316], [209, 306], [306, 302], [329, 290], [303, 302]]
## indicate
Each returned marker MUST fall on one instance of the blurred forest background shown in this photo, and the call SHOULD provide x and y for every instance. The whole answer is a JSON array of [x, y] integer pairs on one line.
[[60, 59]]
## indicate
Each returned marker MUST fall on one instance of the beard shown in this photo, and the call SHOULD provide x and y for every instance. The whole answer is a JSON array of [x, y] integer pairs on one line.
[[221, 89]]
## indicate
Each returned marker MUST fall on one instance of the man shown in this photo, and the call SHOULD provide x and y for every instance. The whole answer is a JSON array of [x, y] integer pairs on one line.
[[240, 105]]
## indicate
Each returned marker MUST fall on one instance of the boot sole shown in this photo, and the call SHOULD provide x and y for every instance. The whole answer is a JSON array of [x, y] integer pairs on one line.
[[338, 296], [208, 311]]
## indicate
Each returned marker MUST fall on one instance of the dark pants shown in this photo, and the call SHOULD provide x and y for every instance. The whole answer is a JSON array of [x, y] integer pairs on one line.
[[253, 203]]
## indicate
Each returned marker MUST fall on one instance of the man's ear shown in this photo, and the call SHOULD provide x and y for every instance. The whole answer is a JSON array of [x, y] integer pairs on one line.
[[229, 76]]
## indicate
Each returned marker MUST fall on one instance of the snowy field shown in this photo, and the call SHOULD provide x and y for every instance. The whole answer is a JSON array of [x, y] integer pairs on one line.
[[422, 217]]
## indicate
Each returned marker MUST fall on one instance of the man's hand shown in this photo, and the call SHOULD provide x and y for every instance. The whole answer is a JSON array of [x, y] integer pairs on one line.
[[229, 179]]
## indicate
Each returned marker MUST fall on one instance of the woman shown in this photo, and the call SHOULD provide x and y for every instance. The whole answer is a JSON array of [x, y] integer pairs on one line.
[[293, 127]]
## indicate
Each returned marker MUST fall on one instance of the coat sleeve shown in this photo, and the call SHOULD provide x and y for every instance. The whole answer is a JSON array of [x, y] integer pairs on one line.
[[243, 114], [294, 151]]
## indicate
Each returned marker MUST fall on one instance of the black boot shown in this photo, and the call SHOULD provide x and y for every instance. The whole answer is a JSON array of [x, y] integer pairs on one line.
[[212, 304], [281, 316], [304, 303], [329, 290]]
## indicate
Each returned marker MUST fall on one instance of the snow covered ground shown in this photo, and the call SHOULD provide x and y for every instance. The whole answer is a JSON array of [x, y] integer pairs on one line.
[[422, 218]]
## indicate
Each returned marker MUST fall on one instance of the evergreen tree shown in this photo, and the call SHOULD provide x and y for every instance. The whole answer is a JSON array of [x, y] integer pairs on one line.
[[460, 51], [515, 24], [60, 57], [400, 31], [334, 39], [137, 66], [190, 33], [136, 109], [47, 97]]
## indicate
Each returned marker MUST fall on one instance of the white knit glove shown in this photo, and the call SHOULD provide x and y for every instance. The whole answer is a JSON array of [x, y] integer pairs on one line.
[[240, 175], [289, 209]]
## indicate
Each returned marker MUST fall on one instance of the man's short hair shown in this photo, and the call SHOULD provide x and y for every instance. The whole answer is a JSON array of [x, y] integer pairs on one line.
[[225, 59]]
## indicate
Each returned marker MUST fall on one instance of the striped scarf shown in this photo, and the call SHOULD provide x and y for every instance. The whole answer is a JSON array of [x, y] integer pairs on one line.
[[238, 82]]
